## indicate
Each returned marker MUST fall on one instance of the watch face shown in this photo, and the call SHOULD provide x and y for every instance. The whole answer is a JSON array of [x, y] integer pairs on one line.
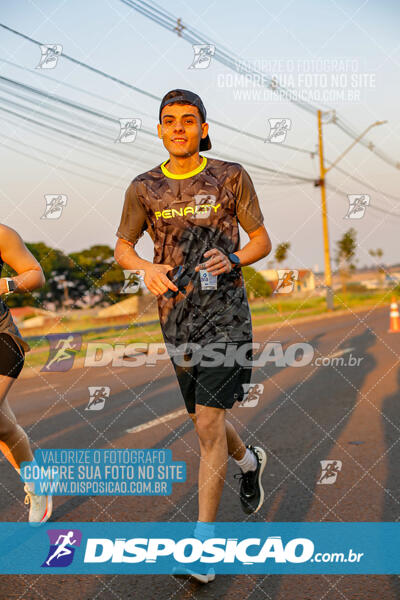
[[234, 259], [11, 285]]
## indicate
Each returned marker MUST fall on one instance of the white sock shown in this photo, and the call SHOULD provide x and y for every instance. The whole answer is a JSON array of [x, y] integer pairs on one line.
[[248, 462], [31, 486], [204, 530]]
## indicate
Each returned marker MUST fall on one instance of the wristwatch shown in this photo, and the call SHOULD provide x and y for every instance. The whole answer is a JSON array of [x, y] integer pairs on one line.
[[235, 260], [11, 285]]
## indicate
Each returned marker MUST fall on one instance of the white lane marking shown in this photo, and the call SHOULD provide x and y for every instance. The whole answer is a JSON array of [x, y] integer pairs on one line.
[[168, 417], [30, 390], [334, 355], [339, 353]]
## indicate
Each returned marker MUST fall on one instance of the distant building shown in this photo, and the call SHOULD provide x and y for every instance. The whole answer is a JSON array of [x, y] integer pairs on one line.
[[132, 307], [305, 281], [29, 316]]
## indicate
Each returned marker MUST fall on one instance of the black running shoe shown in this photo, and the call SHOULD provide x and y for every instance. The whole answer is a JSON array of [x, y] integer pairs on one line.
[[251, 490]]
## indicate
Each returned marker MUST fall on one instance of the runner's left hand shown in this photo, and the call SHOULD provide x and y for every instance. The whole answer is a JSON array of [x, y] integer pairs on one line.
[[217, 263]]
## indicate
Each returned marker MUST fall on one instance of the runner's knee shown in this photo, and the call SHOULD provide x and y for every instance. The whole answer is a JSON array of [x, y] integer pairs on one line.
[[210, 426], [8, 426]]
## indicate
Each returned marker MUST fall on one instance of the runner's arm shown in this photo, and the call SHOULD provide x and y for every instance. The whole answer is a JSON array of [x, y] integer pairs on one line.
[[256, 248], [250, 217], [14, 252], [132, 226]]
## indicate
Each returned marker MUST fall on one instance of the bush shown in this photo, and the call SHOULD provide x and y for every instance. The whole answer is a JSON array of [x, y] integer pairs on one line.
[[356, 287], [256, 286]]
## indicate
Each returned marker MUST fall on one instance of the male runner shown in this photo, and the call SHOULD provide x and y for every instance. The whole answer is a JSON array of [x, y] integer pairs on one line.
[[191, 206]]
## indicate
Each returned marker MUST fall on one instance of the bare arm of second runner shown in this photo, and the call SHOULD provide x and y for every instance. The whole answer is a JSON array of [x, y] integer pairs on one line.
[[14, 252]]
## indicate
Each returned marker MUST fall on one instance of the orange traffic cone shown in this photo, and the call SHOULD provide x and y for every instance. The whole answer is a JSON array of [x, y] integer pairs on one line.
[[394, 317]]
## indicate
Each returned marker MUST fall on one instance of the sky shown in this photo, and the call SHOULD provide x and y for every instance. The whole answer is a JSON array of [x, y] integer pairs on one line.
[[348, 50]]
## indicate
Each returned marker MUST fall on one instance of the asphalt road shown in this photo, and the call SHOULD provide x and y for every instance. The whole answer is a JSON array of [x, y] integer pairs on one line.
[[305, 415]]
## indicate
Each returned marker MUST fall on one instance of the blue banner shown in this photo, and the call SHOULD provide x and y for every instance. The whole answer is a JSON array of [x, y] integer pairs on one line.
[[164, 547]]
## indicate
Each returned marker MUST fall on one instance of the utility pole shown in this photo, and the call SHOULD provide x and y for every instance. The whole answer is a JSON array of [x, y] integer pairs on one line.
[[321, 184], [327, 257]]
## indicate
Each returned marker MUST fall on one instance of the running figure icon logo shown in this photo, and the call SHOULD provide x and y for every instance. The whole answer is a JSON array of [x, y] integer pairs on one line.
[[286, 281], [202, 56], [357, 206], [330, 471], [128, 130], [252, 393], [132, 282], [49, 56], [98, 395], [278, 129], [62, 352], [55, 203], [63, 543]]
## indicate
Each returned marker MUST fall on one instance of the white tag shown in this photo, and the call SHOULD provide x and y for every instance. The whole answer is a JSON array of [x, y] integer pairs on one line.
[[208, 280]]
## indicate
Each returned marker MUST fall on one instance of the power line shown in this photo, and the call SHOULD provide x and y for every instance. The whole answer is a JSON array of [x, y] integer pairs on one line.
[[162, 18], [63, 159], [110, 119], [101, 155], [369, 185], [370, 206], [82, 90], [76, 88], [107, 184], [144, 92], [168, 21], [348, 130]]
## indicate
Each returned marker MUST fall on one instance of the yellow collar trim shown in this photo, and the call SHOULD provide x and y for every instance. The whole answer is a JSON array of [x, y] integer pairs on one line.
[[183, 175]]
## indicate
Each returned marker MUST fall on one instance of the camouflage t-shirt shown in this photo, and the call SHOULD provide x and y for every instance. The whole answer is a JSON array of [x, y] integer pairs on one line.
[[186, 215]]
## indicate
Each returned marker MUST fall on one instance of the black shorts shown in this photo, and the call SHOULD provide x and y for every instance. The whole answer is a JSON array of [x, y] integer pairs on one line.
[[219, 386], [11, 358]]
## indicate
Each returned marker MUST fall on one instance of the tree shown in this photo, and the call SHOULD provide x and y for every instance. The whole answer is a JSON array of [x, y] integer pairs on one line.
[[55, 265], [381, 267], [378, 252], [96, 274], [345, 255], [92, 274], [256, 286], [281, 252]]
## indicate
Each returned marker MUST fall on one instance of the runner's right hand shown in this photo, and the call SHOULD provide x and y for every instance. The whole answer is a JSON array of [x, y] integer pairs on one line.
[[156, 279]]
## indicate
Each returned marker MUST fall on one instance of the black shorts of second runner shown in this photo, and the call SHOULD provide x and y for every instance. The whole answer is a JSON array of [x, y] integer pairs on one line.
[[219, 386], [11, 358]]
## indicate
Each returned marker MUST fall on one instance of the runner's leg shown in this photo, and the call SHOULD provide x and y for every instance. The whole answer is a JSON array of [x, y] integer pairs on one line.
[[210, 427], [236, 447], [14, 442]]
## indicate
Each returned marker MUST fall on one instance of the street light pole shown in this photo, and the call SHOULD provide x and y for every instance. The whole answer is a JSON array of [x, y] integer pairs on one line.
[[332, 165], [321, 184]]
